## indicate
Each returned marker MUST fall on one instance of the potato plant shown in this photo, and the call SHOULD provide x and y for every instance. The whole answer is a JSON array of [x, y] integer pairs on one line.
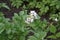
[[28, 24], [3, 5]]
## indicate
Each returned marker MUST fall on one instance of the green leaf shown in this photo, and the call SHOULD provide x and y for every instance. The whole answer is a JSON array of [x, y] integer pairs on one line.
[[8, 31], [1, 14], [58, 34], [22, 38], [53, 16], [32, 38], [44, 24], [57, 6], [32, 4], [40, 34], [52, 36], [16, 3], [52, 28], [4, 5], [2, 28], [21, 12]]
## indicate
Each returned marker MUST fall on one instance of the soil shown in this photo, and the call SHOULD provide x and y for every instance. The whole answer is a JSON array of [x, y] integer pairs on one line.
[[9, 13]]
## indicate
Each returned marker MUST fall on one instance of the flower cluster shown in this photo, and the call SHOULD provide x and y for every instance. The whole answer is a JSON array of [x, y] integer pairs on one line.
[[30, 18]]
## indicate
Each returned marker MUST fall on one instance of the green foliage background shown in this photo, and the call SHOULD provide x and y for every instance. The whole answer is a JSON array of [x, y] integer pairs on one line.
[[16, 29]]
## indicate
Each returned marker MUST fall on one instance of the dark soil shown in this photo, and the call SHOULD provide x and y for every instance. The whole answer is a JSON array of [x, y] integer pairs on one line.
[[9, 13]]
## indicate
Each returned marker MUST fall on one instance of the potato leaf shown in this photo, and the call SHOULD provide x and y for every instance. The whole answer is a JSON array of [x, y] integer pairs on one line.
[[52, 37], [52, 28], [58, 34]]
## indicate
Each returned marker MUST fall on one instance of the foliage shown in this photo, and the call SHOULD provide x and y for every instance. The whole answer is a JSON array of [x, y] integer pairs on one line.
[[13, 30], [4, 5], [38, 36], [52, 28], [18, 29], [16, 3]]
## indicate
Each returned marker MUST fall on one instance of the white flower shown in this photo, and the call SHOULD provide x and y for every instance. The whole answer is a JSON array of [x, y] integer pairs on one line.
[[56, 19], [33, 13], [29, 19]]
